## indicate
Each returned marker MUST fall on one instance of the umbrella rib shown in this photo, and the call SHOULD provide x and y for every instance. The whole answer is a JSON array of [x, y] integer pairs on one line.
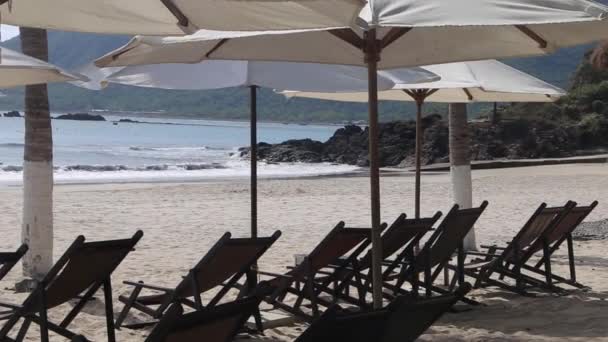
[[217, 46], [349, 36], [533, 35], [394, 34], [469, 96], [179, 15]]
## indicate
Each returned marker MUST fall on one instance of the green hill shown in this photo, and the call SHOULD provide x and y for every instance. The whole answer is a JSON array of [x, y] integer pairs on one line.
[[70, 50]]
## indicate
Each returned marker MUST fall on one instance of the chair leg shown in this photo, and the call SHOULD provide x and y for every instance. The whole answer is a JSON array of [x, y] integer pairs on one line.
[[125, 310], [23, 330], [44, 328], [107, 298], [571, 258], [547, 257]]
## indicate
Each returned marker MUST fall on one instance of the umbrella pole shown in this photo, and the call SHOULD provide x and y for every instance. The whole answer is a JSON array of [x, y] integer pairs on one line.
[[254, 160], [419, 103], [372, 56]]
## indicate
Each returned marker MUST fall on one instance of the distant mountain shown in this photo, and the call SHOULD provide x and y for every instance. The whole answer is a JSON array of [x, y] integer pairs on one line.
[[71, 50]]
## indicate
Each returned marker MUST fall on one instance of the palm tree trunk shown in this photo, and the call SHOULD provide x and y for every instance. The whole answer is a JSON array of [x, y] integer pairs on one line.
[[460, 163], [37, 227]]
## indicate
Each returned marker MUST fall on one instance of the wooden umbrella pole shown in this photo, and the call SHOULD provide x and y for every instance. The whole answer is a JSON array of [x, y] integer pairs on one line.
[[254, 160], [419, 103], [372, 56]]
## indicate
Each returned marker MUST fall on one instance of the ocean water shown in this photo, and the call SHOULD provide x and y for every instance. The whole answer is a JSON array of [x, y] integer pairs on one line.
[[159, 150]]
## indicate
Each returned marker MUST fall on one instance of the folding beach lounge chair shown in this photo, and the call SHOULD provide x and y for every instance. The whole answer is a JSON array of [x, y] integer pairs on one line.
[[398, 240], [82, 270], [9, 259], [337, 252], [403, 320], [545, 232], [220, 323], [553, 240], [227, 262], [508, 261], [445, 242]]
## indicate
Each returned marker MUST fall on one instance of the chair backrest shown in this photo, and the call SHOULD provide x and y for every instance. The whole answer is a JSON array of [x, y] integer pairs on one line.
[[403, 233], [229, 257], [337, 244], [541, 221], [449, 236], [569, 222], [220, 323], [83, 265], [9, 259], [402, 320]]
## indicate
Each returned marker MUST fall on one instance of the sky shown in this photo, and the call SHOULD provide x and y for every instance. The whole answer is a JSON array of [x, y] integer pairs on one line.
[[9, 32]]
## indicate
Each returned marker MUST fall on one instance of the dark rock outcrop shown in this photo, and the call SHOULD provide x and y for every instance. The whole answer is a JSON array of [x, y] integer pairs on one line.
[[128, 121], [81, 117], [12, 114], [508, 139]]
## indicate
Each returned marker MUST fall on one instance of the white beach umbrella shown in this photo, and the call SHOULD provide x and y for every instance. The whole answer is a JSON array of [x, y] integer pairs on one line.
[[433, 31], [394, 33], [223, 74], [17, 69], [173, 17], [464, 82], [461, 82]]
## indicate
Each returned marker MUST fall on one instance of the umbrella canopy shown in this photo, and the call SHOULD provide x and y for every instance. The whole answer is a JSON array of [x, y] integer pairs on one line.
[[479, 30], [273, 75], [463, 82], [17, 69], [174, 17]]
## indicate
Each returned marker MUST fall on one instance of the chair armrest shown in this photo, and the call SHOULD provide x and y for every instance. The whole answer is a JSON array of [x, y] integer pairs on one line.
[[9, 305], [481, 254], [146, 286], [495, 247], [272, 274]]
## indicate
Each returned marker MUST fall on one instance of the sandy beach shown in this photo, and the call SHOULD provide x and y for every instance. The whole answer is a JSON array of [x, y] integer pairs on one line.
[[181, 221]]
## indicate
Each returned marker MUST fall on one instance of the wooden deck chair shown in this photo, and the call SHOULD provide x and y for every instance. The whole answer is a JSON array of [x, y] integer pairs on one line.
[[9, 259], [338, 251], [552, 240], [398, 242], [82, 270], [508, 261], [445, 242], [403, 320], [227, 262]]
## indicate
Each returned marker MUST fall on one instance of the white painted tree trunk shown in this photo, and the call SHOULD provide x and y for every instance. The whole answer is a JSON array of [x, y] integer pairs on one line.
[[37, 225], [37, 228], [460, 163]]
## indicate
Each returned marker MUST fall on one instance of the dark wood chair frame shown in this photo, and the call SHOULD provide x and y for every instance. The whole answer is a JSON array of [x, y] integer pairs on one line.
[[300, 280], [9, 259], [35, 307], [172, 295]]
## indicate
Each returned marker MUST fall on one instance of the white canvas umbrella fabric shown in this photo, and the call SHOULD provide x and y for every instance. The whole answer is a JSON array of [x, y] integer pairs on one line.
[[223, 74], [174, 17], [17, 69], [475, 30], [462, 82], [395, 33]]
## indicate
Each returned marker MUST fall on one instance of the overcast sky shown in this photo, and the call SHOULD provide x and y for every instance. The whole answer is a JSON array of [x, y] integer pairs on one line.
[[9, 32]]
